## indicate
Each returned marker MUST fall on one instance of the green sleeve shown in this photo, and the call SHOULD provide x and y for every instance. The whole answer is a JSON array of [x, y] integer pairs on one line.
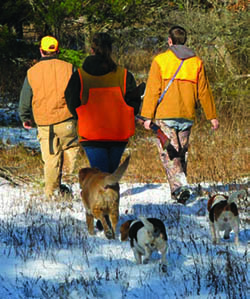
[[25, 102]]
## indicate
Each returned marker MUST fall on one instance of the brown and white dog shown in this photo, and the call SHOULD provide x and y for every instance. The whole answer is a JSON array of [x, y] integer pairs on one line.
[[224, 215], [146, 235], [100, 195]]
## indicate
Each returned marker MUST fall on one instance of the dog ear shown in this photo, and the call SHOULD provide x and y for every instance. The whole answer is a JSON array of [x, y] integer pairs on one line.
[[124, 230]]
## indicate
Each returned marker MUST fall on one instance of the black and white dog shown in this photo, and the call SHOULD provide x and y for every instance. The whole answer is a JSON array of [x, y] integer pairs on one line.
[[224, 215], [146, 235]]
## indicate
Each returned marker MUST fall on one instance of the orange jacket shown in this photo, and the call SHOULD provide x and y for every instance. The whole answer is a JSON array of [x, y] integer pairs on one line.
[[189, 85], [104, 114], [48, 80]]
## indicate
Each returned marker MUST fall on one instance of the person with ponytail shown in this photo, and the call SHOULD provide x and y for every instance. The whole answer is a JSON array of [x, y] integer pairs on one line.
[[104, 99]]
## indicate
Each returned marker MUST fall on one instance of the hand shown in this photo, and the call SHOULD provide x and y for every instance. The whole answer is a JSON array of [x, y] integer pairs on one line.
[[27, 124], [147, 124], [215, 124]]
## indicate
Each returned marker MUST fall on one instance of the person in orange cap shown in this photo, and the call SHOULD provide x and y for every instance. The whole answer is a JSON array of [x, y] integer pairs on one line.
[[42, 99]]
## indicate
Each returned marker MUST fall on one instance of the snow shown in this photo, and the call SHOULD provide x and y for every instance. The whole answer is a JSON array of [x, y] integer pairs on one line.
[[46, 251]]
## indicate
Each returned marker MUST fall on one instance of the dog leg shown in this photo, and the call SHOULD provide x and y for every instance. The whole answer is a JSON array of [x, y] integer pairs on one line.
[[236, 238], [148, 253], [212, 229], [137, 256], [114, 217], [217, 234], [163, 252], [90, 223], [107, 230], [236, 233], [227, 233]]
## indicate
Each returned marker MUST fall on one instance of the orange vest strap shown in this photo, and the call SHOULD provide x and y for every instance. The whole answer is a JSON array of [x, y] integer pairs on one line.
[[125, 80], [81, 90]]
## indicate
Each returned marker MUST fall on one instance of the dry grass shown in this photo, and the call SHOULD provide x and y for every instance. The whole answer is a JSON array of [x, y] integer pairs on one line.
[[221, 156]]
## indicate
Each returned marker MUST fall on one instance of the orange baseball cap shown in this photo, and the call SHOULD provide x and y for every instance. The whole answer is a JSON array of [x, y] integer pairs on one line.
[[49, 44]]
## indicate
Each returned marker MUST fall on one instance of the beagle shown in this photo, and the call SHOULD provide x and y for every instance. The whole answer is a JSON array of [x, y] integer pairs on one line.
[[146, 235], [224, 215]]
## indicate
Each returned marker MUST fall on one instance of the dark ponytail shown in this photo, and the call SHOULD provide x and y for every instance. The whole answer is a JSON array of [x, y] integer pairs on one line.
[[102, 46]]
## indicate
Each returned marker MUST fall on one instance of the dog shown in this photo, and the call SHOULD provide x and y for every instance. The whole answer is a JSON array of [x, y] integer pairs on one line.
[[100, 195], [146, 235], [224, 215]]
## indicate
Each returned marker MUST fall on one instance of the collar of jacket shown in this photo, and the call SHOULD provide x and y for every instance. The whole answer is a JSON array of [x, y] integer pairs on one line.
[[48, 58], [182, 52], [95, 65]]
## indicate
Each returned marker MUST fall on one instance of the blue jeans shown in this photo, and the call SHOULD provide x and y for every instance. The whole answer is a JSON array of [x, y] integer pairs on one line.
[[107, 159]]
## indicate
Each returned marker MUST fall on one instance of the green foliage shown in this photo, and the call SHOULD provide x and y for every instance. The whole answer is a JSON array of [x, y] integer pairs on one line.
[[140, 30], [12, 48], [15, 13], [72, 56], [49, 16]]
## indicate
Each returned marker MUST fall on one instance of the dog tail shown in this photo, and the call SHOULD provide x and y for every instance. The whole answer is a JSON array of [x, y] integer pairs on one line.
[[115, 177], [148, 225], [241, 194]]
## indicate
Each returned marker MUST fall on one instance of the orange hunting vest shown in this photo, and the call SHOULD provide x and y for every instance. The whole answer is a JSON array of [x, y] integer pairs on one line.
[[48, 80], [104, 114]]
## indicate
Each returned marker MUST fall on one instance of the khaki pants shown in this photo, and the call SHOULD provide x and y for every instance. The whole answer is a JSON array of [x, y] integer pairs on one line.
[[57, 154], [174, 158]]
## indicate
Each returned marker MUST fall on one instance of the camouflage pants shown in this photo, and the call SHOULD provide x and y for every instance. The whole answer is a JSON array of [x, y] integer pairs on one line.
[[174, 158], [58, 156]]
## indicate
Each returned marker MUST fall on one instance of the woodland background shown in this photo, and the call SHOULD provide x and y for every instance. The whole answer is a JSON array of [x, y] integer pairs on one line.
[[218, 31]]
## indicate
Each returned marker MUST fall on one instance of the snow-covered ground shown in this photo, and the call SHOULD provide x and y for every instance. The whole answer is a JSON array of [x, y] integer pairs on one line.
[[46, 252], [11, 130]]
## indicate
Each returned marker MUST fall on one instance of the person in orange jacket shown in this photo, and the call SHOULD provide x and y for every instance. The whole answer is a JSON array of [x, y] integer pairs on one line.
[[176, 81], [42, 98], [102, 96]]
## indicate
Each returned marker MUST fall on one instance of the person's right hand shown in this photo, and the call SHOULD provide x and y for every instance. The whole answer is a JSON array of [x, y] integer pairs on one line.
[[147, 124], [27, 124], [215, 124]]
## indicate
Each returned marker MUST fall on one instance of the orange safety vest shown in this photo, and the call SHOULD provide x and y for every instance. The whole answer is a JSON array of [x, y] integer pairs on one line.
[[104, 114]]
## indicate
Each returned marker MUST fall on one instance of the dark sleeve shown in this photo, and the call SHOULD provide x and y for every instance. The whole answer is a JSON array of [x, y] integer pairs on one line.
[[133, 93], [25, 102], [72, 94]]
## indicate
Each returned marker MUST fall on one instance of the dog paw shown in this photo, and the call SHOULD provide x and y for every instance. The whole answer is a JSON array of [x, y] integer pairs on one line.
[[163, 268], [109, 234]]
